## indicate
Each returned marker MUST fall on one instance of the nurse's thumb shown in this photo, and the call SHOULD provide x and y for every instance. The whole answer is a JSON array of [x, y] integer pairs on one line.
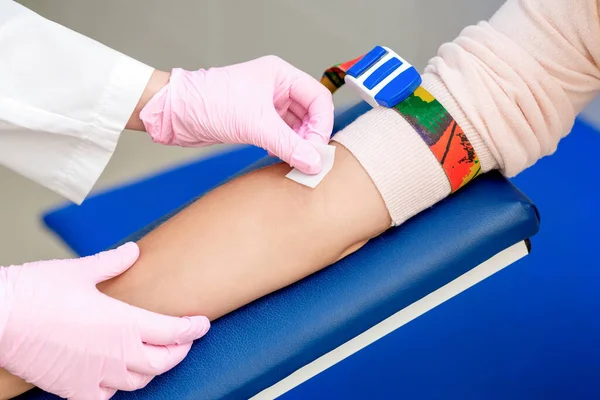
[[294, 150], [108, 264]]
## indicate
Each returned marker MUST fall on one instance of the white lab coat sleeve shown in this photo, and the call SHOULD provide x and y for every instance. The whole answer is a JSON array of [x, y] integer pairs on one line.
[[64, 101]]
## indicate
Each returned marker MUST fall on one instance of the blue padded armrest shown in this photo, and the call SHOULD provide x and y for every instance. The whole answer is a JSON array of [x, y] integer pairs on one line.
[[256, 346]]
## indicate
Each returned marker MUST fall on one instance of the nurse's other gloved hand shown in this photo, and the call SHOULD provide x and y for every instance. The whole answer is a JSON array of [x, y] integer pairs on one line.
[[265, 102], [58, 332]]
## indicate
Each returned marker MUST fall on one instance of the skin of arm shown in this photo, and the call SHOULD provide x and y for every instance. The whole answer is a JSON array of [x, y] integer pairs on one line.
[[247, 238], [250, 237]]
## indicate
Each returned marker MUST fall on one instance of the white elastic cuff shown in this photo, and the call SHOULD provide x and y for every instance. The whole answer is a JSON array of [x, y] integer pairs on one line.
[[405, 171]]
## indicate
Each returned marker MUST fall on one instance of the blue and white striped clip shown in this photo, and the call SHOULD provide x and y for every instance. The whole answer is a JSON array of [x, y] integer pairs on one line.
[[383, 78]]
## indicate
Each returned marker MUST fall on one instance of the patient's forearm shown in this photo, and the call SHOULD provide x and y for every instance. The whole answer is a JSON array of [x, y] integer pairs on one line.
[[244, 240], [251, 237]]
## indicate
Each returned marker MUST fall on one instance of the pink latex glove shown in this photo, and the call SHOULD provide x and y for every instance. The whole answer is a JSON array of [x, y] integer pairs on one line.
[[265, 102], [58, 332]]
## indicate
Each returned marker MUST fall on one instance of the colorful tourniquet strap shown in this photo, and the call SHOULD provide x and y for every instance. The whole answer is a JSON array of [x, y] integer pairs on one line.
[[433, 123]]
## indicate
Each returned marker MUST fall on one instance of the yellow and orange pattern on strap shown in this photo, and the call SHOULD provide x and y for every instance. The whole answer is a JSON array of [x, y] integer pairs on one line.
[[438, 129]]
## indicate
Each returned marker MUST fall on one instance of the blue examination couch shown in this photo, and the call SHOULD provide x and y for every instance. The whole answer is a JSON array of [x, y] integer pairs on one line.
[[355, 321]]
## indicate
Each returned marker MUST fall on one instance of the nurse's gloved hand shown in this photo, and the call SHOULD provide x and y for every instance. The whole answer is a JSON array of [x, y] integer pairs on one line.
[[58, 332], [265, 102]]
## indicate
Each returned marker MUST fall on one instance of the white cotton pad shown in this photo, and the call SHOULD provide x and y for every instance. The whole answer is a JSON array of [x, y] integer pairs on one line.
[[327, 153]]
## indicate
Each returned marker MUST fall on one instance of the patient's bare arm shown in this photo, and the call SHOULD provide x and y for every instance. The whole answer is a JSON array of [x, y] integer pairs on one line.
[[244, 240], [251, 237]]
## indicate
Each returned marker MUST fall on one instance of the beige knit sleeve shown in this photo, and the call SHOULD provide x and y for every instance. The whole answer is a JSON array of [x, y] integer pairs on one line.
[[522, 77]]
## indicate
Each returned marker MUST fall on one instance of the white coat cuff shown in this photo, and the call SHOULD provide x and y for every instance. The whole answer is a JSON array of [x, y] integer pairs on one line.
[[91, 155]]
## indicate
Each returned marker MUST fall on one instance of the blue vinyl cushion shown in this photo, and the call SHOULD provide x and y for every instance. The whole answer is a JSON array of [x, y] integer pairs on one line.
[[256, 346]]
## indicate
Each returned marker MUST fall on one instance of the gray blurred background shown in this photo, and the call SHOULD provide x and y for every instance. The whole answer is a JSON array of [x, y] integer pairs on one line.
[[192, 34]]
